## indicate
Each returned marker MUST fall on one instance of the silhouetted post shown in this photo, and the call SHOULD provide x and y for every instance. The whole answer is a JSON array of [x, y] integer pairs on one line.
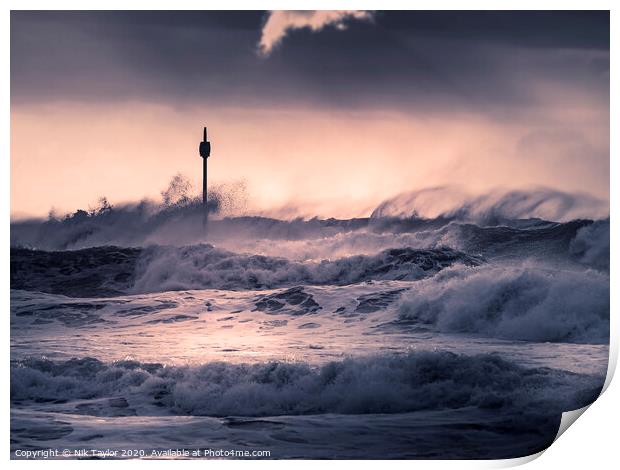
[[205, 151]]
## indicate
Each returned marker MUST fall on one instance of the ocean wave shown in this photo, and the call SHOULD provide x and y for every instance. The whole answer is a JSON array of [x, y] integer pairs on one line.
[[180, 222], [494, 207], [581, 241], [518, 239], [591, 245], [92, 272], [376, 384], [108, 271], [202, 266], [519, 302]]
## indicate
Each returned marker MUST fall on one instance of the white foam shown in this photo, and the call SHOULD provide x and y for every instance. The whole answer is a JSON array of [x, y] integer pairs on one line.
[[525, 302], [375, 384]]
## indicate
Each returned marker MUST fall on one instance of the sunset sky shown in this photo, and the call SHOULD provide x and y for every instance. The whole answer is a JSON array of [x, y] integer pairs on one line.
[[328, 113]]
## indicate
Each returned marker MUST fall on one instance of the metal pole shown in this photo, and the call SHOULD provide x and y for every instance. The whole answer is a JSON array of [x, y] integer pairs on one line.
[[204, 182], [204, 191], [205, 151]]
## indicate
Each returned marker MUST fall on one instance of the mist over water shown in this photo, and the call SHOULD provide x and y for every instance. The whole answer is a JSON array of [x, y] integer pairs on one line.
[[494, 207], [177, 220]]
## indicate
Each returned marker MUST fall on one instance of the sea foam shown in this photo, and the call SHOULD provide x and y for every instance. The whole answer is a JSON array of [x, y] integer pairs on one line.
[[375, 384], [524, 302]]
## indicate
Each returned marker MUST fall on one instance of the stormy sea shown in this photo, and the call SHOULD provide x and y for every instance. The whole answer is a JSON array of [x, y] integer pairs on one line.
[[415, 332]]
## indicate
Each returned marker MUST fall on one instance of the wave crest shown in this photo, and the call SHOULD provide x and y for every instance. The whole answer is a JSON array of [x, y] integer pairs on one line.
[[203, 266], [378, 384], [523, 303], [494, 207]]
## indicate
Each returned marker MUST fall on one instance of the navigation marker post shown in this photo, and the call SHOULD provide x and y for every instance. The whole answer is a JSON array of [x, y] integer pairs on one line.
[[205, 152]]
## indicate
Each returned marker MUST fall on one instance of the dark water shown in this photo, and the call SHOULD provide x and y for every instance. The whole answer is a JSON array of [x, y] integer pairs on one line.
[[368, 338]]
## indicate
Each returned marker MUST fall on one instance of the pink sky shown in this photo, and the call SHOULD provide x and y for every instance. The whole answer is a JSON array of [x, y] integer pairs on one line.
[[64, 156]]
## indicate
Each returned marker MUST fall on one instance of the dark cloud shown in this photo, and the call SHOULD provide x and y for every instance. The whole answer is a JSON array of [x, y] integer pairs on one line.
[[565, 29], [405, 60]]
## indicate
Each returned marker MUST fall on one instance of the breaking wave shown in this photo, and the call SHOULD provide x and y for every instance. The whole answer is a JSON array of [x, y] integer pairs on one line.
[[202, 266], [591, 245], [113, 270], [494, 207], [524, 302], [377, 384], [177, 220], [531, 238]]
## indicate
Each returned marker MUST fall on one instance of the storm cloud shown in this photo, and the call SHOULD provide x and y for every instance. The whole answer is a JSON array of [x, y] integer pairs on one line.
[[426, 59]]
